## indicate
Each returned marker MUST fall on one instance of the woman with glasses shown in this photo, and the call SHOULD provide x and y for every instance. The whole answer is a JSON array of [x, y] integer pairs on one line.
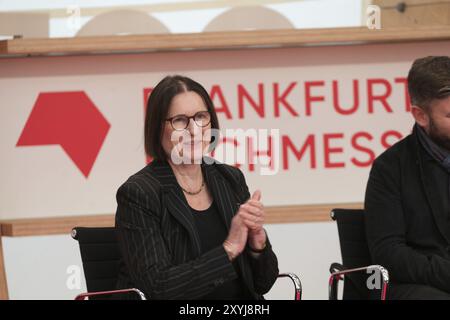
[[187, 226]]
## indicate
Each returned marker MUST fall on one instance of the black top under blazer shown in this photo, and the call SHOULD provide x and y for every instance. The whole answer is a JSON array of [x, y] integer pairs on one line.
[[159, 244]]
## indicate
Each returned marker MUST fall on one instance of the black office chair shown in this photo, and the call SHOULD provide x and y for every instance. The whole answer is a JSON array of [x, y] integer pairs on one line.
[[356, 267], [100, 256]]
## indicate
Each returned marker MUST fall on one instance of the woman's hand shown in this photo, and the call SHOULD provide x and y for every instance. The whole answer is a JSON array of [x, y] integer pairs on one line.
[[237, 237], [253, 215], [247, 226]]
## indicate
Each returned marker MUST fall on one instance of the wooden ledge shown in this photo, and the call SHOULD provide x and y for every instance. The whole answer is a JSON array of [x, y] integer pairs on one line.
[[218, 40], [54, 225], [3, 282], [63, 225]]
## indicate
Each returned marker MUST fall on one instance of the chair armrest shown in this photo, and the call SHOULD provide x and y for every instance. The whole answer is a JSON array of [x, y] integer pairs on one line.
[[297, 283], [338, 271], [83, 296]]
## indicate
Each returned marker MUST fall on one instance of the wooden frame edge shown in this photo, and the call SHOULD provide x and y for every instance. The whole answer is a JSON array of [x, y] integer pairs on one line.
[[218, 40], [3, 282], [53, 225], [63, 225]]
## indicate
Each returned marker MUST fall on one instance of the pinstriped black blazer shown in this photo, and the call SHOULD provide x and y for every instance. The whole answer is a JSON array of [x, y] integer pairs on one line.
[[159, 243]]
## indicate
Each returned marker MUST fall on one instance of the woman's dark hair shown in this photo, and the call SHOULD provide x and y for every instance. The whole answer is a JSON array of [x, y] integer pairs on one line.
[[158, 105], [429, 79]]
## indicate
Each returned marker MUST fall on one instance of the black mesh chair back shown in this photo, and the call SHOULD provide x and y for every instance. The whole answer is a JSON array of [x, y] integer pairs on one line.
[[354, 250], [100, 256]]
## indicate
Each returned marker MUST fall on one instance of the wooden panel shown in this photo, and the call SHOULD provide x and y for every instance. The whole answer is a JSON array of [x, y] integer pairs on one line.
[[57, 225], [3, 283], [305, 213], [411, 3], [219, 40], [417, 13], [3, 46], [63, 225]]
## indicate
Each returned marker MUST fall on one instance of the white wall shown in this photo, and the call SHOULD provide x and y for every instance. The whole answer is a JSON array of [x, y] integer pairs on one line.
[[306, 249], [36, 267], [302, 14]]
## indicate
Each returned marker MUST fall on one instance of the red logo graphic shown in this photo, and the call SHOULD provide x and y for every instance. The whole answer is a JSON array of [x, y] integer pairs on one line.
[[71, 120]]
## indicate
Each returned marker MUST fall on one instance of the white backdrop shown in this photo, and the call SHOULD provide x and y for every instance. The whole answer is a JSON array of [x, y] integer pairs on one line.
[[43, 180]]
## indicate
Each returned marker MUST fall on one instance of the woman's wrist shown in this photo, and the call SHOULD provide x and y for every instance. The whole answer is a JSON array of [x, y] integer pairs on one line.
[[259, 248], [258, 241], [229, 249]]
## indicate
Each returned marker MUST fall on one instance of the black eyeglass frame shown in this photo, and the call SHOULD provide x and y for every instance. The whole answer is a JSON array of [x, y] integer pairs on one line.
[[189, 120]]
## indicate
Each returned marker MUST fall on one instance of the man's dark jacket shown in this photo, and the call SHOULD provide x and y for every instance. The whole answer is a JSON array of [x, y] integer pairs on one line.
[[407, 216]]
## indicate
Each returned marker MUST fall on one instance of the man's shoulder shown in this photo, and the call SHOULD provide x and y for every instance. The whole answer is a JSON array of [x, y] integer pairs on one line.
[[399, 152]]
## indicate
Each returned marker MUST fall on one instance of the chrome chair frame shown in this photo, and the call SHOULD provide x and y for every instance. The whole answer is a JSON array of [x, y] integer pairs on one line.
[[338, 273]]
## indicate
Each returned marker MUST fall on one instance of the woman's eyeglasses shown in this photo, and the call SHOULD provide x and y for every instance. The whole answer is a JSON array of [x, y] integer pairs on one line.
[[181, 121]]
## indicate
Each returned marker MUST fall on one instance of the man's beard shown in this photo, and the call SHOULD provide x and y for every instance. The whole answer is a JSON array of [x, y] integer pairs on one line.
[[440, 138]]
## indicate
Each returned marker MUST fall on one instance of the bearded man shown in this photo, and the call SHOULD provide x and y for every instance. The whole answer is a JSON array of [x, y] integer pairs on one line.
[[407, 209]]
